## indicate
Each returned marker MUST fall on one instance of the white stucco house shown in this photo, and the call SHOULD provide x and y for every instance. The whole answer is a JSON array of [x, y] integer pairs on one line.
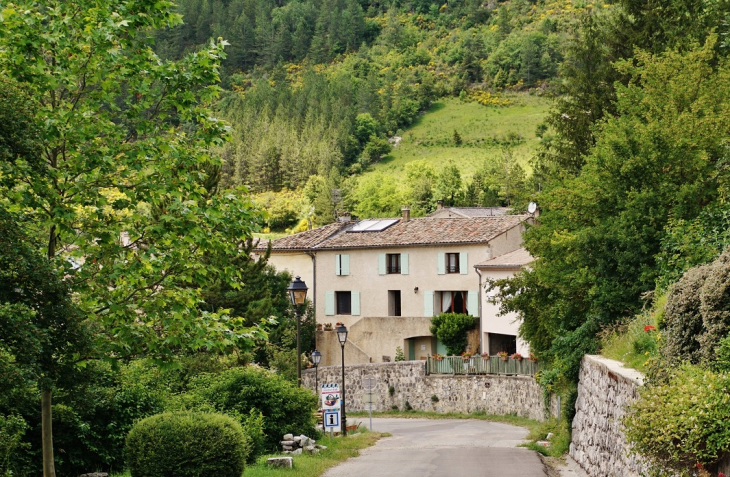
[[385, 279]]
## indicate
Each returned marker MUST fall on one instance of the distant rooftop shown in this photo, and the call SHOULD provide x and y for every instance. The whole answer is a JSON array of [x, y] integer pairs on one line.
[[469, 212], [423, 231], [515, 259]]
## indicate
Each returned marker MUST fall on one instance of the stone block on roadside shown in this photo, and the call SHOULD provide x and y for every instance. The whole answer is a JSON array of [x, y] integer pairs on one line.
[[288, 443], [297, 452], [281, 462], [288, 437]]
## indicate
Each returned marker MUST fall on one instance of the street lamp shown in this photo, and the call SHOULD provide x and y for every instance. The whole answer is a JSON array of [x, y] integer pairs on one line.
[[316, 358], [342, 337], [298, 294]]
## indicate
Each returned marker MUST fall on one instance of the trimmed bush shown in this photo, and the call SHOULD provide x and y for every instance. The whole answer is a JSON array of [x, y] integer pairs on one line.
[[715, 306], [451, 329], [682, 324], [186, 444]]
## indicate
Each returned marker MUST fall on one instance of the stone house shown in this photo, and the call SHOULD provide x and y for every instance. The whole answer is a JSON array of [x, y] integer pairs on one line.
[[385, 279]]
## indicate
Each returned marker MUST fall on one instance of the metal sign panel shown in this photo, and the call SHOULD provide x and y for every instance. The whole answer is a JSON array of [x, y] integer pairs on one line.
[[369, 382], [331, 405]]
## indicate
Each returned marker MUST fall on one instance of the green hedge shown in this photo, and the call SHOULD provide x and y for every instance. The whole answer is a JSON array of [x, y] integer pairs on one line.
[[451, 329], [187, 444], [238, 391]]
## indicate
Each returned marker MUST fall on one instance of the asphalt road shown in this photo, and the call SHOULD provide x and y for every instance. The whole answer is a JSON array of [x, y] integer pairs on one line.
[[443, 448]]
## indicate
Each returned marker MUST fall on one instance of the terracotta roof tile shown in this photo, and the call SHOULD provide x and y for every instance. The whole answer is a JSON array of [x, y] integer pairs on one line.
[[427, 231], [469, 212], [304, 240], [515, 259]]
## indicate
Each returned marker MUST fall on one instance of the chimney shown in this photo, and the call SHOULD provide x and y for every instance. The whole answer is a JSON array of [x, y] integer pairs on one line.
[[406, 214], [439, 204], [343, 216]]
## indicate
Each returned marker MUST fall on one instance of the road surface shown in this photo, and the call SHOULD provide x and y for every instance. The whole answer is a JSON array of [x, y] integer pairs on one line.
[[443, 448]]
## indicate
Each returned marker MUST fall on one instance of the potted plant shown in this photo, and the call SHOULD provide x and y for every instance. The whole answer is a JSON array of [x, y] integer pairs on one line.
[[466, 355], [485, 355], [517, 356], [319, 326], [503, 355], [438, 357], [533, 358], [328, 327]]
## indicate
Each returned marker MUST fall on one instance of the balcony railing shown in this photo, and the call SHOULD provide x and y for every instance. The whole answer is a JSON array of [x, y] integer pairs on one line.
[[479, 365], [393, 269]]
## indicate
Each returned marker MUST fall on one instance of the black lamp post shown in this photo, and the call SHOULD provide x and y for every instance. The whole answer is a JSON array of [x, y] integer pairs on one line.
[[298, 294], [316, 358], [342, 337]]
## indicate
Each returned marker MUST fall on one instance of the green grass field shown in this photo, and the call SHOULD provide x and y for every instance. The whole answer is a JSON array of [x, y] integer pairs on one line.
[[481, 128]]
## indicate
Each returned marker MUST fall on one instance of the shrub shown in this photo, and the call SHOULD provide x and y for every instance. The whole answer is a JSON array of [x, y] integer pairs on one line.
[[682, 323], [285, 408], [12, 429], [715, 305], [451, 329], [683, 421], [186, 444], [399, 356]]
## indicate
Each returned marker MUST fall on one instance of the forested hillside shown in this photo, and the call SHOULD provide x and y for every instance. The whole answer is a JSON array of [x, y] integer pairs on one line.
[[315, 88]]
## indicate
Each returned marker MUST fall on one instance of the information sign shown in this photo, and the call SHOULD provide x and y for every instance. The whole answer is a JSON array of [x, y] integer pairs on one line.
[[331, 405]]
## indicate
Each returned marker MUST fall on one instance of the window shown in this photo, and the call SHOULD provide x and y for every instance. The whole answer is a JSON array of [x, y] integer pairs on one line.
[[393, 262], [394, 303], [454, 302], [344, 303], [452, 263]]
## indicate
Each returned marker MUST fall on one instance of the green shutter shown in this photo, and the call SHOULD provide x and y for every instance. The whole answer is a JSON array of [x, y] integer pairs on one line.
[[463, 263], [428, 303], [355, 303], [329, 303], [472, 302], [404, 264], [381, 264], [344, 264], [441, 263], [338, 264]]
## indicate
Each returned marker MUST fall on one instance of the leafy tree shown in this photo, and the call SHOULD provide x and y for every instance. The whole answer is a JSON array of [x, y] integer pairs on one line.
[[449, 184], [130, 193], [600, 232]]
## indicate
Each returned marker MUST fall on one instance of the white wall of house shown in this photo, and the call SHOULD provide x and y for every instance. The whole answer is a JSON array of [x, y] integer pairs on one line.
[[491, 320], [296, 263]]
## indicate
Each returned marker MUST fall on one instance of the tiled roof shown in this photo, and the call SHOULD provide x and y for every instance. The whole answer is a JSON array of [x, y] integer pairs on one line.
[[304, 240], [420, 231], [515, 259], [469, 212]]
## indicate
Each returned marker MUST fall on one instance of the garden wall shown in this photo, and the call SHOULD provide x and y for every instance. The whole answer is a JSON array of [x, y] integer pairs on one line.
[[492, 394], [599, 446]]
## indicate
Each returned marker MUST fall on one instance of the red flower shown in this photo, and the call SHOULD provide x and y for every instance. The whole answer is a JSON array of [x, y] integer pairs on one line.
[[649, 328], [720, 475]]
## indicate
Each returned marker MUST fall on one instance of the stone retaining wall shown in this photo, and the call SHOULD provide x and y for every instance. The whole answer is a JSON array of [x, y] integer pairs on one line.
[[598, 445], [493, 394]]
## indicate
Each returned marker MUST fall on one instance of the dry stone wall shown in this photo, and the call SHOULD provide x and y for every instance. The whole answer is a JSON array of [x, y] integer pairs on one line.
[[598, 445], [492, 394]]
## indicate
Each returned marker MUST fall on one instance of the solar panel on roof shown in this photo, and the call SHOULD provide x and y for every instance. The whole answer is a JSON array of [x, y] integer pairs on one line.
[[373, 225]]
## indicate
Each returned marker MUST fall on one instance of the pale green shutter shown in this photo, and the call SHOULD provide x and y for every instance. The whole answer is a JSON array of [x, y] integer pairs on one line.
[[344, 264], [441, 263], [381, 264], [463, 264], [472, 302], [355, 303], [338, 264], [428, 303], [329, 303], [404, 263]]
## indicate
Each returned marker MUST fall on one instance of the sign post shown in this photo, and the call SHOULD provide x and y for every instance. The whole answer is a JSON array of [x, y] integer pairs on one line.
[[368, 385], [331, 406]]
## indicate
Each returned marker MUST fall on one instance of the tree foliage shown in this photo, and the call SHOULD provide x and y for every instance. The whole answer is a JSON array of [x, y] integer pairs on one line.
[[451, 329], [599, 232]]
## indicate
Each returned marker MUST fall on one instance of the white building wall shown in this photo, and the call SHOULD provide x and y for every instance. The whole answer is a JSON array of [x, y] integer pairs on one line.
[[492, 321]]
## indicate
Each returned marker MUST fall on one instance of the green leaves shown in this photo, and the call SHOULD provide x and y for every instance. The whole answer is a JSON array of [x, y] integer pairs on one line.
[[130, 187]]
